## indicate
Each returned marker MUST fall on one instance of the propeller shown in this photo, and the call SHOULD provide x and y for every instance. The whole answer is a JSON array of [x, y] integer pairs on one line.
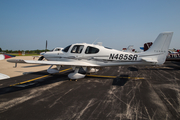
[[42, 57], [46, 46]]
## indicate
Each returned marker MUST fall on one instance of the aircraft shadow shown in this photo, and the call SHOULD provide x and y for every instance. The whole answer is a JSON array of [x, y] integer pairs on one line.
[[174, 67], [176, 62], [34, 73], [36, 83], [173, 64], [132, 69], [120, 80]]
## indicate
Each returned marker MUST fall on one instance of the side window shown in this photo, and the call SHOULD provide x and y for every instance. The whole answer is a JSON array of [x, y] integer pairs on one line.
[[66, 49], [91, 50], [77, 49]]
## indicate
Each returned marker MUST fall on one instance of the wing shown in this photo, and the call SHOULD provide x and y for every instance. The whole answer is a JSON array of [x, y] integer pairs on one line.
[[77, 63]]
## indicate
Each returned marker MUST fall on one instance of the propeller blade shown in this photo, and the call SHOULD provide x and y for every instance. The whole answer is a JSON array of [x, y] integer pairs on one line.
[[41, 58], [46, 46]]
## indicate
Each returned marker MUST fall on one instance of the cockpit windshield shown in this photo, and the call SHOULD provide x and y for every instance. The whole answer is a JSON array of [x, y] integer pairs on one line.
[[66, 48]]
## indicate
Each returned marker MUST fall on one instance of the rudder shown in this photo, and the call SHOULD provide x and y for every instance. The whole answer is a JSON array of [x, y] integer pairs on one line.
[[159, 50], [162, 42]]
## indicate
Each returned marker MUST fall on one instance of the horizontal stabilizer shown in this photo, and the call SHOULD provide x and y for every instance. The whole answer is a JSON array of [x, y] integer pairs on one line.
[[149, 60]]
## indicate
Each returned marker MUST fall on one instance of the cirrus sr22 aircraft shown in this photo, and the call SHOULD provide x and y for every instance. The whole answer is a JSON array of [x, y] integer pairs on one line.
[[91, 57]]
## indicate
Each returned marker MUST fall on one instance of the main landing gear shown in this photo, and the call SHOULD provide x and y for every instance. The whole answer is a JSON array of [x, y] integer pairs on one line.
[[75, 75]]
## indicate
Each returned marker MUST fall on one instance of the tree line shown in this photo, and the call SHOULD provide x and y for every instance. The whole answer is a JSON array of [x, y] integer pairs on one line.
[[21, 51]]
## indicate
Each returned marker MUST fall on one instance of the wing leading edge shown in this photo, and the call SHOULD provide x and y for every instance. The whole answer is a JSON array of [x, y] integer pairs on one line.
[[72, 63]]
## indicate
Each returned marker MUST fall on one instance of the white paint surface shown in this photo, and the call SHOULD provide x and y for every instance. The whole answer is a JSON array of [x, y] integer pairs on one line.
[[3, 76], [2, 57]]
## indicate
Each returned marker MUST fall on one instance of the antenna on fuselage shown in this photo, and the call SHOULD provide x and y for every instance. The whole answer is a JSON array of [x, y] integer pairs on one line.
[[99, 43], [95, 40]]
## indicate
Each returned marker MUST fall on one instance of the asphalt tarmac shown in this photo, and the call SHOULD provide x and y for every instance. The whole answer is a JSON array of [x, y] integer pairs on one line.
[[113, 93]]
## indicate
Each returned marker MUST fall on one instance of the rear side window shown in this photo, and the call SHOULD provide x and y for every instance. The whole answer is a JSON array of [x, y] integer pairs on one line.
[[91, 50], [66, 49], [77, 49]]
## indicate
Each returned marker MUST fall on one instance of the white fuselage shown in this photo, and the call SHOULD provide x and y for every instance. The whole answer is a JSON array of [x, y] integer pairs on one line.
[[98, 55]]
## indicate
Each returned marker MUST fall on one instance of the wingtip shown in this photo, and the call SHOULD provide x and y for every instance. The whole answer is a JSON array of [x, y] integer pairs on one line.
[[16, 61]]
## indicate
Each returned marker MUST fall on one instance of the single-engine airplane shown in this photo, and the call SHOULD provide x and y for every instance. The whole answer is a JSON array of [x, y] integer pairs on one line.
[[91, 57]]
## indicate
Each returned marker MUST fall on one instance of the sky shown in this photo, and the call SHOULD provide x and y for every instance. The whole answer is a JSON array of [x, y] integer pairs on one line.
[[27, 24]]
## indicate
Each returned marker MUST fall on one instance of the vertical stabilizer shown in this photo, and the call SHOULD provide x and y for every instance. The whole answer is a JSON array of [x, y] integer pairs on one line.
[[159, 50]]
